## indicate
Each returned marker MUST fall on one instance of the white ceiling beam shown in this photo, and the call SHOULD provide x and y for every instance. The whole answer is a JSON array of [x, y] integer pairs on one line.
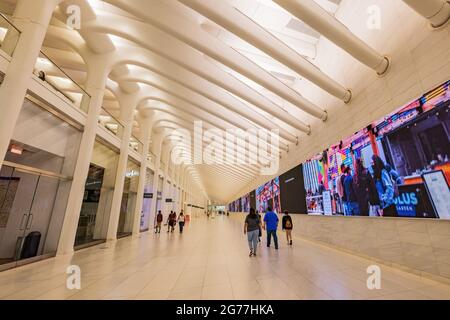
[[319, 19], [436, 11], [242, 26]]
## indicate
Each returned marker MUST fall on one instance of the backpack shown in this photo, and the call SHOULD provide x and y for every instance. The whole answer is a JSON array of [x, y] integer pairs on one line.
[[288, 223]]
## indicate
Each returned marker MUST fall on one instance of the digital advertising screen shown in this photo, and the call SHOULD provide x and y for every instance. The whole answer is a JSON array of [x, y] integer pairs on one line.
[[379, 171], [292, 191], [268, 195], [253, 199], [245, 203]]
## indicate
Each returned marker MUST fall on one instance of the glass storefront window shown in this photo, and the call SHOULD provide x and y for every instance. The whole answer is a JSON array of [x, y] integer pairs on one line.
[[149, 196], [129, 197], [58, 81], [9, 35], [35, 181], [98, 194]]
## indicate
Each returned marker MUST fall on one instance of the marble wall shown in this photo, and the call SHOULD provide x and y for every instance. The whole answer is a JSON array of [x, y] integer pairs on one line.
[[419, 246]]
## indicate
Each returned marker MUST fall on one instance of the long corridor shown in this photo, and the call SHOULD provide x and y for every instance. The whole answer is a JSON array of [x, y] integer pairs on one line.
[[210, 261]]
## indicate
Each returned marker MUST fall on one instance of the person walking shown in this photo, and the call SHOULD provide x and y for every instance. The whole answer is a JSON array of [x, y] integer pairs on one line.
[[174, 221], [159, 220], [251, 229], [271, 225], [169, 222], [181, 221], [287, 225], [260, 228]]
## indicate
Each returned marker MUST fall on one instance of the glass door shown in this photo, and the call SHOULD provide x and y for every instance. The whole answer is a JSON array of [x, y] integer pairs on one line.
[[27, 200]]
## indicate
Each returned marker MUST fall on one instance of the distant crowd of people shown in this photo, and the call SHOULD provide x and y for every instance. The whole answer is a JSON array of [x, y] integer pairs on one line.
[[254, 225], [172, 221]]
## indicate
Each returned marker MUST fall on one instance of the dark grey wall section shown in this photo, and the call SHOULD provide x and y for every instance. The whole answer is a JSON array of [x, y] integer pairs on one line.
[[293, 196]]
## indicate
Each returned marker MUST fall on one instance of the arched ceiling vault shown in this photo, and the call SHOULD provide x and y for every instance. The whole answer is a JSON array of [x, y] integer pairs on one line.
[[232, 64]]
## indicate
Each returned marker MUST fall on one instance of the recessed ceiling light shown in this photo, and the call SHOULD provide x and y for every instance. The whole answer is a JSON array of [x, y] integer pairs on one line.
[[16, 149]]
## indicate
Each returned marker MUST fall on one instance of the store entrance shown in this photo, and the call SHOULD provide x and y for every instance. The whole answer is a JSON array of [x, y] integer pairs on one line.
[[27, 200]]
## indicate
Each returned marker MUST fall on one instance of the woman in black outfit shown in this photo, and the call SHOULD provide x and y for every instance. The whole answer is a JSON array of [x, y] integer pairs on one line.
[[287, 225], [260, 230]]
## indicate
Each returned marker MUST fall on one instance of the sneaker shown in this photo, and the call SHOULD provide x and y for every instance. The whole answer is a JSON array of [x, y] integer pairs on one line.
[[290, 243], [251, 253]]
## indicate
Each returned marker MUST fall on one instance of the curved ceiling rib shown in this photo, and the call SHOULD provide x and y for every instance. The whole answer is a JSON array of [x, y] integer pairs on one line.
[[242, 26], [223, 169], [317, 18], [177, 124], [229, 64], [204, 103], [251, 150], [186, 57], [436, 11], [195, 116], [240, 150], [163, 18], [236, 171], [159, 97]]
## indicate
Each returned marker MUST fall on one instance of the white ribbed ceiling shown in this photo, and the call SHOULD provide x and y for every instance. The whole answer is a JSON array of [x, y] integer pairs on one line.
[[195, 69]]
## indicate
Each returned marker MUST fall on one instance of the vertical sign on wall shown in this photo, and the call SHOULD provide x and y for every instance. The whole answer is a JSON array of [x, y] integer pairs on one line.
[[327, 206]]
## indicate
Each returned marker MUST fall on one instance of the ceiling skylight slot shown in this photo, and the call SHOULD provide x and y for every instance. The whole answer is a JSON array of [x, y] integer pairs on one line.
[[299, 26]]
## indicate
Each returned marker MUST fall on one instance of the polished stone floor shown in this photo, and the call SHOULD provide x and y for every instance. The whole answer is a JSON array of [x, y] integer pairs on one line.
[[210, 261]]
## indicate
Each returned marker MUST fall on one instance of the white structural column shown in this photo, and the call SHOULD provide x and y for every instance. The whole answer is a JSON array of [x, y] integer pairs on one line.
[[156, 150], [32, 19], [319, 19], [177, 188], [242, 26], [183, 188], [127, 103], [146, 127], [436, 11], [98, 70], [166, 189]]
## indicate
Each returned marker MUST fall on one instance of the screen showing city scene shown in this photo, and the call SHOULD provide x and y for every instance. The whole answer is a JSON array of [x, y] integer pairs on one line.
[[397, 166], [245, 203], [269, 195]]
